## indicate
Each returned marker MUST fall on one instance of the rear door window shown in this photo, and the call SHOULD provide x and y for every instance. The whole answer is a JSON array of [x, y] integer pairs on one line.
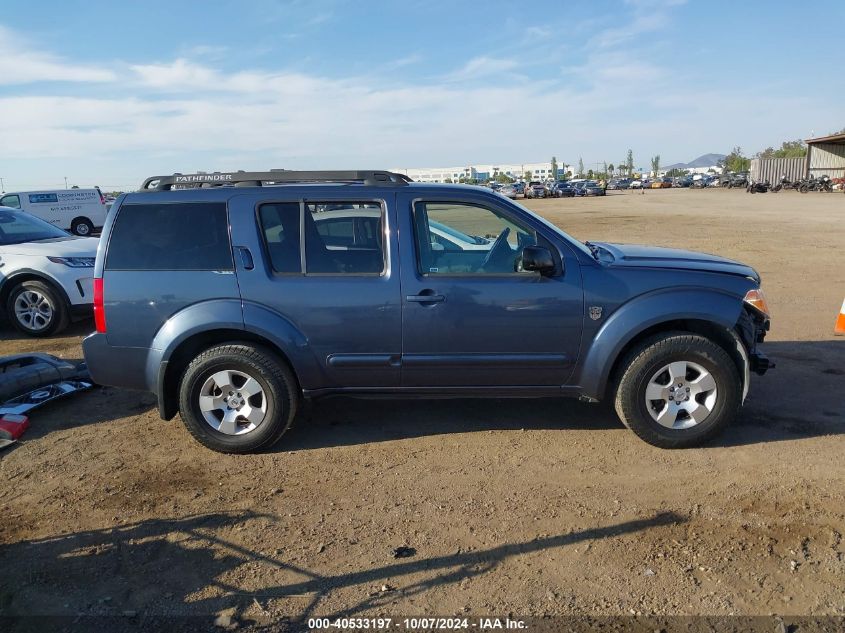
[[339, 237], [344, 237], [192, 236]]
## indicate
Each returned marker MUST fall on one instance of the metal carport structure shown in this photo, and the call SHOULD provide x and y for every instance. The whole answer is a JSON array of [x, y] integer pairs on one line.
[[826, 156]]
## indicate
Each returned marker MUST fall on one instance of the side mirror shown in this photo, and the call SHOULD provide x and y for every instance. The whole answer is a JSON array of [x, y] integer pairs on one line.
[[538, 258]]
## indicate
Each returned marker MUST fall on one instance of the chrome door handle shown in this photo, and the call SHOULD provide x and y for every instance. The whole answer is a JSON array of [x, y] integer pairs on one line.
[[425, 298]]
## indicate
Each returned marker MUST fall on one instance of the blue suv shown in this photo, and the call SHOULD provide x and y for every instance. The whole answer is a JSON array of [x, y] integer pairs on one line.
[[234, 296]]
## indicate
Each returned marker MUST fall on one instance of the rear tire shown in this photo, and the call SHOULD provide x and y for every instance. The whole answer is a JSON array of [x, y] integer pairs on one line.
[[707, 400], [36, 308], [238, 398], [82, 227]]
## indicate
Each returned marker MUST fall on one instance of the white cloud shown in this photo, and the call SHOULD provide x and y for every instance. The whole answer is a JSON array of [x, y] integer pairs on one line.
[[533, 33], [183, 75], [180, 74], [649, 16], [654, 4], [484, 67], [320, 18], [408, 60], [291, 120], [20, 64], [637, 26]]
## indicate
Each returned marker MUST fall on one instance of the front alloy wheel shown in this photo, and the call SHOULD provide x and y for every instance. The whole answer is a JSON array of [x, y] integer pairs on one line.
[[33, 310], [37, 309], [681, 395], [677, 389]]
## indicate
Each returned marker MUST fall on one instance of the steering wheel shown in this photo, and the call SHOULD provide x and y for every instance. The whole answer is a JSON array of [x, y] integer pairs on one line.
[[497, 246]]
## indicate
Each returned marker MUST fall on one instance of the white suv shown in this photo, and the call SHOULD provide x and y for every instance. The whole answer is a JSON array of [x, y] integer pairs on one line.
[[45, 274]]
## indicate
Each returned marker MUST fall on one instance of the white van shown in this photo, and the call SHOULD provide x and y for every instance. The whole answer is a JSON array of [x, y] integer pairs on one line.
[[79, 211]]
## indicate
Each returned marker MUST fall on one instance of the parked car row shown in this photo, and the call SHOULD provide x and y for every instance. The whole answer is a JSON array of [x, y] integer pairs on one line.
[[553, 189], [731, 180]]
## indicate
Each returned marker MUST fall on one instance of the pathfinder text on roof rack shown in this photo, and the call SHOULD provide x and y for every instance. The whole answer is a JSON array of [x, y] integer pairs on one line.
[[370, 178]]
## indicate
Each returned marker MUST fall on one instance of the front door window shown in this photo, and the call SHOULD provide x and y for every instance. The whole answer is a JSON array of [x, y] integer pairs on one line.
[[460, 239], [10, 201]]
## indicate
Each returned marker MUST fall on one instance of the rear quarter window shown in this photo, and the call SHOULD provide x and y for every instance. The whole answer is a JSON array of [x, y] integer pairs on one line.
[[181, 236]]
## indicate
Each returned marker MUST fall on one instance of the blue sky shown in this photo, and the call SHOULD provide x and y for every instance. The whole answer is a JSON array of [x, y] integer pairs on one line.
[[108, 93]]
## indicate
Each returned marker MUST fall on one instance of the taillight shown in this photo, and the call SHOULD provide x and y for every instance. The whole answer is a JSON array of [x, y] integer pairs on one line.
[[99, 307]]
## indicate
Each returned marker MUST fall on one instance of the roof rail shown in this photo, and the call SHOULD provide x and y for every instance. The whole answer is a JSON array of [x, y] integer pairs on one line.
[[370, 178]]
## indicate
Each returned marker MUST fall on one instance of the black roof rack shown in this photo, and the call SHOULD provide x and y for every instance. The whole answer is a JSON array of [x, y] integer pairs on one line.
[[369, 178]]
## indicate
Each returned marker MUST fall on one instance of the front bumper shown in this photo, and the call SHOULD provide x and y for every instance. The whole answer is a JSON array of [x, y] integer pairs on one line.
[[85, 288], [752, 327], [760, 363]]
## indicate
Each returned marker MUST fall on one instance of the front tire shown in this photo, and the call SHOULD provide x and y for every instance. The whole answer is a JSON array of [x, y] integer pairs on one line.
[[36, 308], [238, 398], [678, 390]]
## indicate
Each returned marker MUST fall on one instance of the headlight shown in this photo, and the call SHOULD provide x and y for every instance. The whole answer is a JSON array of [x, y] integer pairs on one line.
[[756, 299], [74, 262]]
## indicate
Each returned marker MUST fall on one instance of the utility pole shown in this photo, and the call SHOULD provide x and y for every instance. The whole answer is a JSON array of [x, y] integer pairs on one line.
[[65, 182], [2, 186]]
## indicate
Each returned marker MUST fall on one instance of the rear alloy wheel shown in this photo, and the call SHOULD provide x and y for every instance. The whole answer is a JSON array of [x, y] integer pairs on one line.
[[233, 402], [238, 398], [37, 309], [677, 390]]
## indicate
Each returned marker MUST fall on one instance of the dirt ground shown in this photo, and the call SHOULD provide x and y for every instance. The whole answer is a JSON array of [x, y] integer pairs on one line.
[[521, 507]]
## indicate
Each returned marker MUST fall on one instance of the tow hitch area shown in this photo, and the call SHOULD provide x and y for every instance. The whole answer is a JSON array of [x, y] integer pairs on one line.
[[30, 380]]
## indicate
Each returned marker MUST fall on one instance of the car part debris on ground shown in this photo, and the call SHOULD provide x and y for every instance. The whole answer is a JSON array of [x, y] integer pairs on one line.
[[404, 552], [12, 427], [30, 380]]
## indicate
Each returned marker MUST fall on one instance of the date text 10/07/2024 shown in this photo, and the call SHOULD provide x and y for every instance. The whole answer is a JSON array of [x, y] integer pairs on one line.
[[418, 623]]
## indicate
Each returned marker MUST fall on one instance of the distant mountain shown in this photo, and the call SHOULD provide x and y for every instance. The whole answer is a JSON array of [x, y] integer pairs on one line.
[[706, 160]]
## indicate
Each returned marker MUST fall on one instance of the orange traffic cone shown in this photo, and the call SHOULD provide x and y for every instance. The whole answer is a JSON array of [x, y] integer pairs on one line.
[[839, 328]]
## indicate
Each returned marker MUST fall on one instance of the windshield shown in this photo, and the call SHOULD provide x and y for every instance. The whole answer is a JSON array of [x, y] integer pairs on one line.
[[17, 227]]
